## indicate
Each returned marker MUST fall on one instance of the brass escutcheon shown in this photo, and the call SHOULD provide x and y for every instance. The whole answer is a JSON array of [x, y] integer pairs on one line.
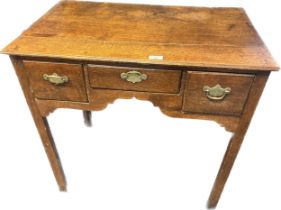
[[133, 76], [56, 79], [216, 93]]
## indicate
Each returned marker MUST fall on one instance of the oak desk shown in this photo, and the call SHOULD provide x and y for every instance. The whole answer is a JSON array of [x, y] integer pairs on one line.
[[200, 63]]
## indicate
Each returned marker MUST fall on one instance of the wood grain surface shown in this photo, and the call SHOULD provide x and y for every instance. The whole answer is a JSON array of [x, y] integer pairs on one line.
[[188, 36]]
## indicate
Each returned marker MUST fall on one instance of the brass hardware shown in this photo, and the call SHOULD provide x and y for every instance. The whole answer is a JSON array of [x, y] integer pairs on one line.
[[56, 79], [133, 76], [216, 93]]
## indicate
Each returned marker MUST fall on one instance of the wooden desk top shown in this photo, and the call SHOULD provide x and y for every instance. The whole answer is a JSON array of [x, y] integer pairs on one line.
[[184, 36]]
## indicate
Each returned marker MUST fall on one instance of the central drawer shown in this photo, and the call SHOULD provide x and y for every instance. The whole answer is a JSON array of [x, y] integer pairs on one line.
[[134, 79]]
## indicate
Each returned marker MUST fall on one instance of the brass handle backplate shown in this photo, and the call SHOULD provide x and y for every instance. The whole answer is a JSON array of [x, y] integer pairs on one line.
[[216, 93], [56, 79], [133, 76]]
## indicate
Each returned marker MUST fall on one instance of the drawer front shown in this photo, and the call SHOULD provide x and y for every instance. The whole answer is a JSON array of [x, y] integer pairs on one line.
[[67, 85], [216, 93], [134, 79]]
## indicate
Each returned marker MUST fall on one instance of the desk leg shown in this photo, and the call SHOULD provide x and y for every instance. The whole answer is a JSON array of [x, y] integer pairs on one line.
[[51, 151], [87, 118], [42, 126], [237, 139]]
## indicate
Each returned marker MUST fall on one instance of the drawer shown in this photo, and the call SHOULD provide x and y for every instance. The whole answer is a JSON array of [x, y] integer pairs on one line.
[[134, 79], [56, 81], [216, 93]]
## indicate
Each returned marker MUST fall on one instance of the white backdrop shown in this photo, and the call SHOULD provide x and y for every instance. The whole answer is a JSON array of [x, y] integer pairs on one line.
[[134, 157]]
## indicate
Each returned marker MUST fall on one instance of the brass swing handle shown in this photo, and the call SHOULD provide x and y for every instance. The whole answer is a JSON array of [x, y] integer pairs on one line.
[[56, 79], [133, 76], [216, 93]]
